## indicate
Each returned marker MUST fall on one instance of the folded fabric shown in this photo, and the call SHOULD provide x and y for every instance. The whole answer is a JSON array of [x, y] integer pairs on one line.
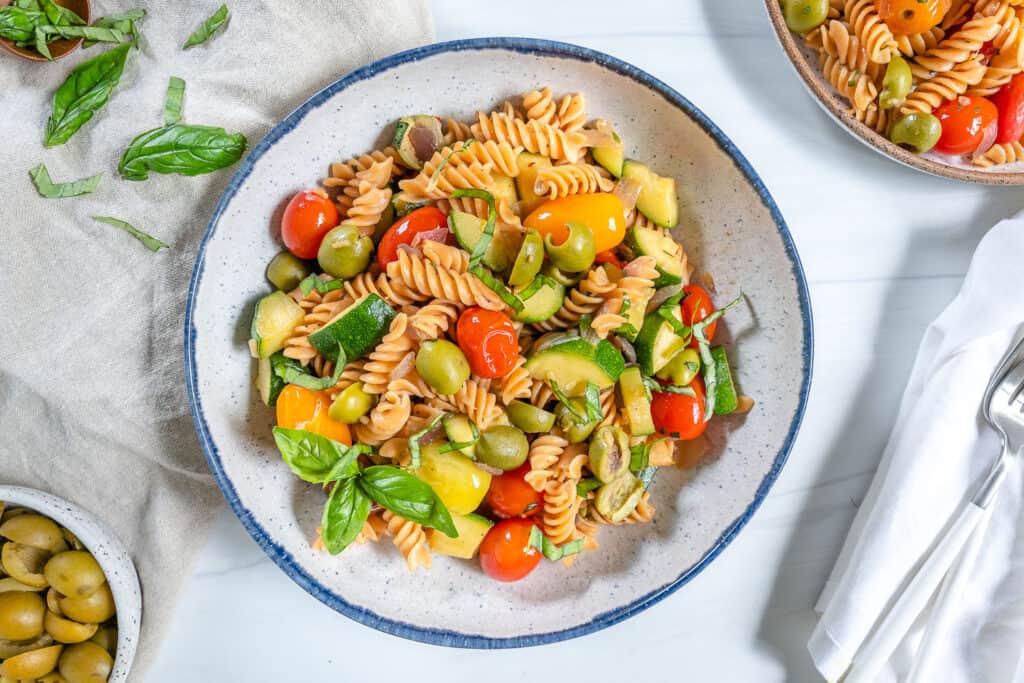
[[92, 387], [939, 450]]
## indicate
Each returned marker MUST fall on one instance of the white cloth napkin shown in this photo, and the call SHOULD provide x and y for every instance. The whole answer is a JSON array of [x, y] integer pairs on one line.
[[937, 454], [92, 387]]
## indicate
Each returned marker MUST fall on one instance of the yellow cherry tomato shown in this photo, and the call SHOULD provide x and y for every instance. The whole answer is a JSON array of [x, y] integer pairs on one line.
[[300, 408], [459, 483], [602, 212]]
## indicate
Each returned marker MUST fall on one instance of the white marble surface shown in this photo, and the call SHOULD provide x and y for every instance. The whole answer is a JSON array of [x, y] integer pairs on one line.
[[884, 248]]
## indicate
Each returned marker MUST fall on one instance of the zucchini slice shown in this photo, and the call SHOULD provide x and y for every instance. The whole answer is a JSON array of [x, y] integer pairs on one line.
[[636, 401], [667, 253], [658, 199], [529, 166], [572, 362], [726, 399], [612, 157], [657, 343], [276, 317], [354, 331], [472, 528], [544, 302], [502, 250]]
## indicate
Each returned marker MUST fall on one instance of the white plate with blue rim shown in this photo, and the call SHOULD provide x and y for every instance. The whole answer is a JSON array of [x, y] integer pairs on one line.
[[731, 228]]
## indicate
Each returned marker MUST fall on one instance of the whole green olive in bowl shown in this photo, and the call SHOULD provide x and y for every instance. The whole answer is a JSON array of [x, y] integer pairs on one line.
[[345, 252]]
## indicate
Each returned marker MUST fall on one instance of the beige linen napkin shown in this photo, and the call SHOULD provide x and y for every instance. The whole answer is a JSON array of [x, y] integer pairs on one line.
[[92, 387]]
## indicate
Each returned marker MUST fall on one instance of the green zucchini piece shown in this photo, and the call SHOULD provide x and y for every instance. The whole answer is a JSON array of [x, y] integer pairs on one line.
[[611, 158], [268, 382], [726, 399], [572, 362], [529, 166], [636, 401], [634, 319], [459, 429], [503, 188], [657, 342], [354, 331], [468, 230], [276, 317], [417, 138], [543, 302], [658, 199], [471, 530], [667, 253]]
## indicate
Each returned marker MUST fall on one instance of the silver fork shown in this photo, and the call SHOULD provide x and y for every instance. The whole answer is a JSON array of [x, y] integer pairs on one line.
[[1003, 409]]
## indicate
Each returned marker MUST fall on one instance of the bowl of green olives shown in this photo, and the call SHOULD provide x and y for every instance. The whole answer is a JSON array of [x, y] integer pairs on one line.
[[70, 601]]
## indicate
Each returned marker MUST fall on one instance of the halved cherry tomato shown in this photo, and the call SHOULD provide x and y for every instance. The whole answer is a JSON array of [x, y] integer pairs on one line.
[[1010, 103], [506, 553], [511, 496], [609, 257], [695, 307], [300, 408], [965, 122], [680, 416], [489, 341], [406, 228], [307, 218], [602, 212], [912, 16]]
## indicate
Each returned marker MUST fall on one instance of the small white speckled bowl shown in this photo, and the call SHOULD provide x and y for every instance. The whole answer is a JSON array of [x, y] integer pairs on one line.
[[108, 550], [730, 227]]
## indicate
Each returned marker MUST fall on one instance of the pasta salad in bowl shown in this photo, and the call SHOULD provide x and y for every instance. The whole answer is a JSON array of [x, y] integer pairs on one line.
[[482, 328]]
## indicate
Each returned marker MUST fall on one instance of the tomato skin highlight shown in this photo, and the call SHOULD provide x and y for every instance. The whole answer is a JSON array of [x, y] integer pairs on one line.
[[679, 416], [1010, 103], [300, 408], [912, 16], [511, 496], [489, 341], [405, 229], [602, 212], [964, 122], [506, 553], [697, 306], [307, 218]]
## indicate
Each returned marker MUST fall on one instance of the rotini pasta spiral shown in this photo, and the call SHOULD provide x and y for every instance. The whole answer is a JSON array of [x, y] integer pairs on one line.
[[583, 299], [571, 113], [609, 408], [422, 276], [1008, 59], [373, 198], [540, 105], [873, 33], [383, 360], [957, 14], [1000, 154], [561, 181], [541, 394], [456, 131], [918, 43], [324, 308], [478, 404], [558, 514], [434, 319], [501, 156], [410, 540], [343, 172], [534, 136], [957, 48], [395, 293], [545, 452], [437, 181], [945, 86], [874, 118], [856, 87], [517, 383], [373, 530], [386, 419], [445, 256], [635, 287]]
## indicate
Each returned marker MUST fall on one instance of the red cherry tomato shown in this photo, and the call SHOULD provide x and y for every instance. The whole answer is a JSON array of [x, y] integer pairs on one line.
[[489, 341], [964, 123], [1010, 103], [406, 228], [695, 307], [679, 416], [506, 553], [307, 218], [511, 496], [609, 257]]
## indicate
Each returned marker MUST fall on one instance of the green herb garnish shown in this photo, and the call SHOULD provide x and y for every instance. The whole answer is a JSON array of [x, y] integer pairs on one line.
[[497, 286], [707, 360], [51, 190], [488, 232], [173, 101], [123, 23], [550, 549], [183, 149], [208, 28], [150, 242], [84, 93], [415, 455]]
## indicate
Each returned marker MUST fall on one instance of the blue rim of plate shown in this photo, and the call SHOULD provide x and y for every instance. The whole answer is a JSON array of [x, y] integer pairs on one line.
[[283, 558]]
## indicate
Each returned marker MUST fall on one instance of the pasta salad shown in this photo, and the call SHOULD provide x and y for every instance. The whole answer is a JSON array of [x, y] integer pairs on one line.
[[484, 340]]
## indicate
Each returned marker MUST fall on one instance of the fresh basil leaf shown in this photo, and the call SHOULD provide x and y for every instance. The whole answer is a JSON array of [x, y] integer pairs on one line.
[[208, 28], [96, 35], [150, 242], [414, 442], [312, 457], [586, 486], [345, 513], [707, 360], [301, 378], [348, 466], [408, 497], [84, 93], [19, 24], [313, 281], [497, 286], [185, 150], [41, 45], [125, 22], [60, 16], [173, 101], [651, 385], [592, 397], [492, 218], [51, 190], [569, 404]]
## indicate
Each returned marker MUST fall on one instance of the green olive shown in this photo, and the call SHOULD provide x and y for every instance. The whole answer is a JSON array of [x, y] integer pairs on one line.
[[52, 677], [21, 615], [106, 638], [25, 563], [442, 365], [528, 261], [683, 367], [9, 584], [345, 252], [609, 453], [285, 271], [86, 663], [71, 539], [504, 447], [32, 664], [93, 609], [576, 254], [561, 277], [74, 573], [530, 418], [918, 131], [351, 404], [11, 512], [617, 499], [10, 648], [67, 631], [896, 84], [53, 599], [34, 530], [804, 15], [577, 429]]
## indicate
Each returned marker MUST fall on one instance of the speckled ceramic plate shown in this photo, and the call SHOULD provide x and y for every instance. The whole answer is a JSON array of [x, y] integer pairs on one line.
[[731, 228], [954, 168]]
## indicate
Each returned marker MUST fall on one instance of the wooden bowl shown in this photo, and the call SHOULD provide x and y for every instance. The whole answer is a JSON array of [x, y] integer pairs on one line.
[[839, 109], [58, 48]]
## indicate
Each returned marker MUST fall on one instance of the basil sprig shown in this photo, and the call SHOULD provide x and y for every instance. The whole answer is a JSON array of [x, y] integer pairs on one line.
[[124, 23], [315, 458], [173, 101], [94, 34], [407, 496], [707, 360], [313, 281], [51, 190], [150, 242], [347, 509], [552, 550], [591, 402], [84, 93], [183, 149], [208, 28]]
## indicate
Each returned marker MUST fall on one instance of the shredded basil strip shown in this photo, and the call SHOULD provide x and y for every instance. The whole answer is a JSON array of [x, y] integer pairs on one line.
[[150, 242], [444, 162], [592, 396], [51, 190], [415, 455], [455, 446], [173, 101], [208, 28], [41, 46], [532, 288], [586, 486], [187, 150], [313, 281], [58, 15], [667, 312], [492, 218], [550, 549], [707, 360], [536, 539], [497, 286], [652, 385], [123, 22], [646, 476], [568, 403], [94, 34]]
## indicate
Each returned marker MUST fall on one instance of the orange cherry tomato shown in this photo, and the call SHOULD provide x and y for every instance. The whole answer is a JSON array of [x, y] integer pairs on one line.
[[300, 408], [1010, 103], [307, 218], [489, 341], [696, 306], [405, 230], [679, 416], [912, 16], [506, 553], [966, 122], [609, 257], [510, 495], [601, 212]]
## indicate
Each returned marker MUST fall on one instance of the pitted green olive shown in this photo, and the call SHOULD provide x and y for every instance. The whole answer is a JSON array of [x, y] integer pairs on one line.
[[52, 677], [918, 131], [683, 367], [352, 404], [9, 584], [10, 648], [73, 542], [576, 254], [67, 631], [25, 563], [609, 453], [32, 664], [530, 418], [503, 446], [804, 15], [577, 429], [34, 530], [442, 365], [345, 252], [285, 271], [896, 83], [21, 615], [53, 599], [617, 499], [74, 573], [86, 663], [528, 261], [106, 638], [11, 512], [93, 609]]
